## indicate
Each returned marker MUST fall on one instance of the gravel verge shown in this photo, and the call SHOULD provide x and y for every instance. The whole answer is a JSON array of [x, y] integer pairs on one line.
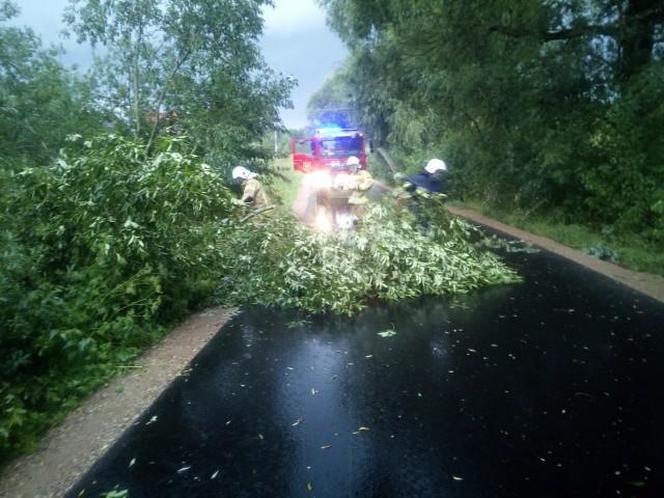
[[646, 283], [70, 449]]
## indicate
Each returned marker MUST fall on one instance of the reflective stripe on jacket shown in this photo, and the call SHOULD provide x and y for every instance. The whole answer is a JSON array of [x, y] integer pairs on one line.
[[255, 193]]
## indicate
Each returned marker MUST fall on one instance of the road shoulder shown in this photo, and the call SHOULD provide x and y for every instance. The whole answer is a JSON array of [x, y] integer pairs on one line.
[[646, 283], [71, 448]]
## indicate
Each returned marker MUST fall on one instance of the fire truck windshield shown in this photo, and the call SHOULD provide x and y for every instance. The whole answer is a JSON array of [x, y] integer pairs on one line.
[[341, 146]]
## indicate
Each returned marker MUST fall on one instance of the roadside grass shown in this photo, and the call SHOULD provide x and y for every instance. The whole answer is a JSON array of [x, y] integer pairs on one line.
[[626, 250], [285, 183]]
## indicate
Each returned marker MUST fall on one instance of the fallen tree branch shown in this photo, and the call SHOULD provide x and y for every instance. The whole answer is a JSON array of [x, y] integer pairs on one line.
[[256, 213], [563, 34], [388, 160]]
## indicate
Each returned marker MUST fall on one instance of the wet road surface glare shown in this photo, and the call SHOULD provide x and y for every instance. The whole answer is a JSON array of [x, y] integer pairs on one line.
[[549, 388]]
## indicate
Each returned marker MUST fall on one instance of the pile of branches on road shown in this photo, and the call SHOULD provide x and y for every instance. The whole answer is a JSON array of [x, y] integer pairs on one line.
[[393, 254]]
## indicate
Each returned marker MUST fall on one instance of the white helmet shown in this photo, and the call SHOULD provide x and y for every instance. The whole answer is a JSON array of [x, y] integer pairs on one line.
[[435, 165], [242, 173], [352, 161]]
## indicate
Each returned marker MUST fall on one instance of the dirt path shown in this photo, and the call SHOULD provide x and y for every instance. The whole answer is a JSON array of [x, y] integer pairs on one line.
[[649, 284], [70, 449]]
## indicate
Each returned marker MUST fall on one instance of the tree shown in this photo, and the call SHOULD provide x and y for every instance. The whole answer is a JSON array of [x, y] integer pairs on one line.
[[193, 62], [533, 103], [632, 25], [334, 102], [41, 102]]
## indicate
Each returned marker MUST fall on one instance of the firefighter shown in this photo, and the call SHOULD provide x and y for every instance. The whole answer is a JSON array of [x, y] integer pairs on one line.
[[432, 178], [416, 189], [360, 182], [253, 192]]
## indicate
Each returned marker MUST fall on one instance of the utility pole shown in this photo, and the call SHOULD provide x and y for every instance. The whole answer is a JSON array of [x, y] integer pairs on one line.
[[276, 145]]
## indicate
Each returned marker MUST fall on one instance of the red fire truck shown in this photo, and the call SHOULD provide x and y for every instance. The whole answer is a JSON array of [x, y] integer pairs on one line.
[[328, 149]]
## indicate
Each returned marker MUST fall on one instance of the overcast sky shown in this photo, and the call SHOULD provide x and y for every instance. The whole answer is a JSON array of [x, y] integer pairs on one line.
[[296, 42]]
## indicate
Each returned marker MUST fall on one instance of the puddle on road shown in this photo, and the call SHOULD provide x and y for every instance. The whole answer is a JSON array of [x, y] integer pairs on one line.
[[546, 388]]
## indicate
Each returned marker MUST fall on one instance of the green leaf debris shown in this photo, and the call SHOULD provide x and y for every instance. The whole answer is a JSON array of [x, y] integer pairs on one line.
[[389, 257]]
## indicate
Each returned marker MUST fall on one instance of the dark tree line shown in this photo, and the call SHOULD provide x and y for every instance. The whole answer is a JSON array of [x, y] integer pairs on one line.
[[547, 105]]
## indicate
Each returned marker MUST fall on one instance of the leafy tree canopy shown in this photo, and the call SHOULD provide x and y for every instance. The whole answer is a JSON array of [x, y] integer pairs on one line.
[[41, 102], [541, 105], [193, 66]]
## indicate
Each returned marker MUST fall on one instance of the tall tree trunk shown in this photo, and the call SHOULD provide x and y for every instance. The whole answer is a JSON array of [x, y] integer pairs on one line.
[[137, 104], [637, 36], [160, 100]]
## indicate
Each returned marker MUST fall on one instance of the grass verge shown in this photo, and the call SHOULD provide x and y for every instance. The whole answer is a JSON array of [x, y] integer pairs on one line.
[[285, 182], [627, 250]]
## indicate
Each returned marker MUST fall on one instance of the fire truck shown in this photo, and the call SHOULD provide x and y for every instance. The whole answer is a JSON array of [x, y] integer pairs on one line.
[[323, 199], [328, 149]]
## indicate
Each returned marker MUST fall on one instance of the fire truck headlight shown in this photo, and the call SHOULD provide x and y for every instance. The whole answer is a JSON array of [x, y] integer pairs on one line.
[[323, 222], [317, 180], [342, 181]]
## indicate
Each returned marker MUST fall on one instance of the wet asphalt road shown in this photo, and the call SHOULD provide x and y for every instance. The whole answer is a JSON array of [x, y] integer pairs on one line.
[[549, 388]]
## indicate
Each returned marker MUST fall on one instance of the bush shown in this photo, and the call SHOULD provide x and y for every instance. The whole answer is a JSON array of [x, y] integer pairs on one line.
[[624, 185], [100, 250]]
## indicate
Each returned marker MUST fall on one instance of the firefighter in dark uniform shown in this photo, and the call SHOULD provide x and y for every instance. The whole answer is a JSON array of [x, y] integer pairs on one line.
[[432, 179], [429, 183]]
